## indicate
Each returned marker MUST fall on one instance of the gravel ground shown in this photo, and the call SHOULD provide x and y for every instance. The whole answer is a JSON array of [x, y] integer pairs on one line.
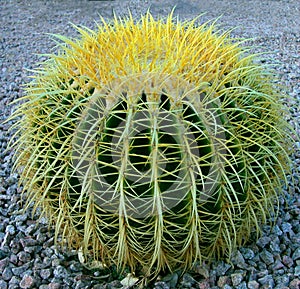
[[28, 257]]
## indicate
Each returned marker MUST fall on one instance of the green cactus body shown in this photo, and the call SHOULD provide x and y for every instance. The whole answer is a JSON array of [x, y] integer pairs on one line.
[[152, 144]]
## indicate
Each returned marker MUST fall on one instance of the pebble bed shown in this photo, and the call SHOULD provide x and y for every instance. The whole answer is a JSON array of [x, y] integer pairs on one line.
[[28, 257]]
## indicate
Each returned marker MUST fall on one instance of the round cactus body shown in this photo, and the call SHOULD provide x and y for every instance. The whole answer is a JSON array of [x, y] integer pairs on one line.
[[152, 143]]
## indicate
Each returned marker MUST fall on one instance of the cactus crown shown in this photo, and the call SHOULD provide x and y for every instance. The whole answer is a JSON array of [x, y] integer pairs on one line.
[[155, 143]]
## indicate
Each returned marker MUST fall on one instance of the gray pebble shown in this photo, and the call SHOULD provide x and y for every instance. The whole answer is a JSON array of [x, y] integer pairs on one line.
[[28, 242], [277, 265], [296, 254], [187, 280], [247, 253], [295, 284], [297, 271], [253, 284], [288, 261], [237, 278], [27, 282], [223, 280], [14, 282], [60, 272], [82, 285], [275, 245], [221, 268], [21, 218], [45, 273], [282, 280], [286, 227], [30, 230], [263, 241], [161, 285], [238, 259], [20, 270], [7, 274], [54, 285], [3, 264], [277, 231], [267, 257], [55, 262], [75, 267], [10, 229], [243, 285], [266, 281], [24, 256], [3, 284]]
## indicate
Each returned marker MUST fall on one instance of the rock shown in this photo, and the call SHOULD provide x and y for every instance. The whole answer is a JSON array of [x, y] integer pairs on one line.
[[283, 280], [262, 273], [276, 230], [236, 278], [161, 285], [55, 262], [20, 270], [247, 253], [30, 230], [204, 285], [295, 284], [243, 285], [286, 227], [221, 268], [3, 254], [275, 245], [267, 257], [54, 285], [15, 246], [76, 267], [21, 218], [223, 280], [3, 284], [27, 282], [277, 265], [14, 282], [238, 259], [45, 273], [263, 241], [10, 229], [82, 285], [28, 242], [24, 256], [287, 261], [296, 254], [7, 274], [253, 284], [3, 264], [60, 272], [297, 271], [202, 269], [187, 281], [172, 279], [267, 281]]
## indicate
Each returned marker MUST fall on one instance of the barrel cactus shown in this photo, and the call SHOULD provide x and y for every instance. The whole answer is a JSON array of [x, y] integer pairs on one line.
[[152, 144]]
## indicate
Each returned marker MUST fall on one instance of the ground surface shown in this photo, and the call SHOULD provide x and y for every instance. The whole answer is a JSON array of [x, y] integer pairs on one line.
[[28, 258]]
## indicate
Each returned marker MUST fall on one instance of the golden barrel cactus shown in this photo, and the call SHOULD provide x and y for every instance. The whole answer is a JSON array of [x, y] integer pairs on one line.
[[152, 143]]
